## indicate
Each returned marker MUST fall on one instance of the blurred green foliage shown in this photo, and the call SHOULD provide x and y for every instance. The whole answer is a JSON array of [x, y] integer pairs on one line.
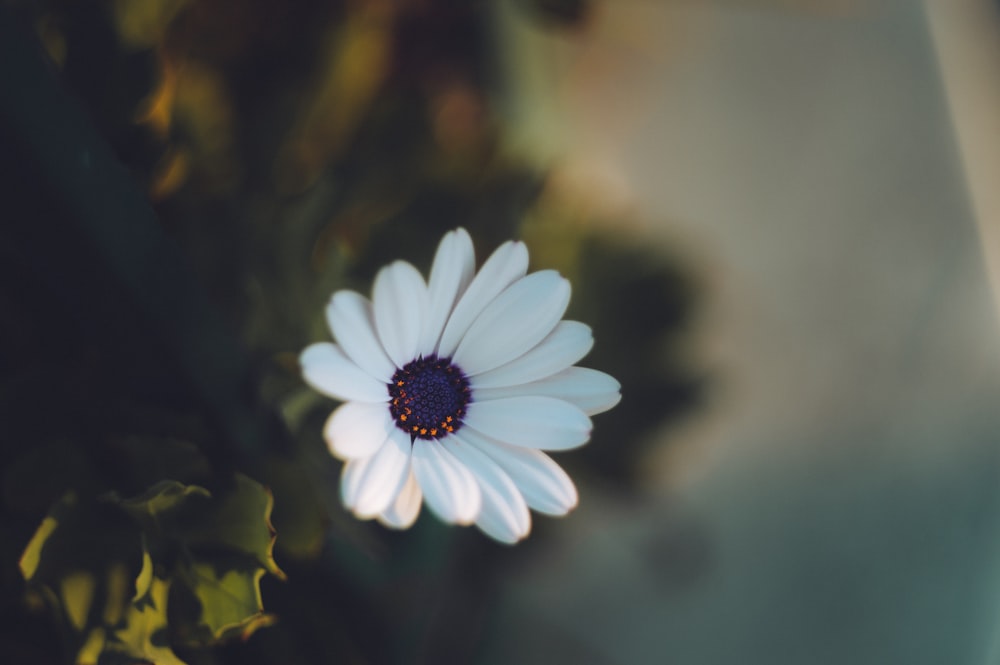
[[174, 565]]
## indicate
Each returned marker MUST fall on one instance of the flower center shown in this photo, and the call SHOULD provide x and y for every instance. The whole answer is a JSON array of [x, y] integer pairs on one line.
[[428, 397]]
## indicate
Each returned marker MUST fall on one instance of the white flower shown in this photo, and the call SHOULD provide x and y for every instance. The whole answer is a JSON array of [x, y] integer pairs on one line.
[[452, 389]]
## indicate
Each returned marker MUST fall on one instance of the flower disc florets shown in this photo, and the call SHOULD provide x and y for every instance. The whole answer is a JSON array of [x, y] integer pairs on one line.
[[428, 397]]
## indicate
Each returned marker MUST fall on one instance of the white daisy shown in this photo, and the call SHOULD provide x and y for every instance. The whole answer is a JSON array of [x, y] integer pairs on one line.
[[452, 389]]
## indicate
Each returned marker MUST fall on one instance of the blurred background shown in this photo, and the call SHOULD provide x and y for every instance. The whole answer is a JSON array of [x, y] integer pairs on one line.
[[779, 216]]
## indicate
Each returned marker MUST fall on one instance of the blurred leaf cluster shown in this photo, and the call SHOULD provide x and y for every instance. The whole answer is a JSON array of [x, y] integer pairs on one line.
[[288, 149], [129, 577]]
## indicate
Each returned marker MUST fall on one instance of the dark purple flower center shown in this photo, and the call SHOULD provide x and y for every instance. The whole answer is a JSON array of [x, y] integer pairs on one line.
[[428, 397]]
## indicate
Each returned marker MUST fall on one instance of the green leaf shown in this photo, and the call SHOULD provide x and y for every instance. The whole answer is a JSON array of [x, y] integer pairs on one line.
[[88, 559], [238, 521], [143, 637], [227, 544], [33, 552], [111, 568], [230, 600], [81, 545], [162, 499]]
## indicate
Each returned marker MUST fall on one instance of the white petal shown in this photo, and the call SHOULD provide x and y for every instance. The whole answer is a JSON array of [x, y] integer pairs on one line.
[[544, 485], [328, 370], [592, 391], [449, 488], [357, 429], [351, 476], [504, 515], [400, 300], [404, 510], [568, 343], [533, 422], [506, 264], [350, 318], [453, 268], [514, 323], [369, 485]]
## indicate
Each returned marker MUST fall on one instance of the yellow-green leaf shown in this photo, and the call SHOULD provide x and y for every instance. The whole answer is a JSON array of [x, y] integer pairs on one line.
[[230, 601], [143, 637], [145, 576], [80, 559], [76, 592], [33, 552], [236, 521], [161, 499], [109, 565]]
